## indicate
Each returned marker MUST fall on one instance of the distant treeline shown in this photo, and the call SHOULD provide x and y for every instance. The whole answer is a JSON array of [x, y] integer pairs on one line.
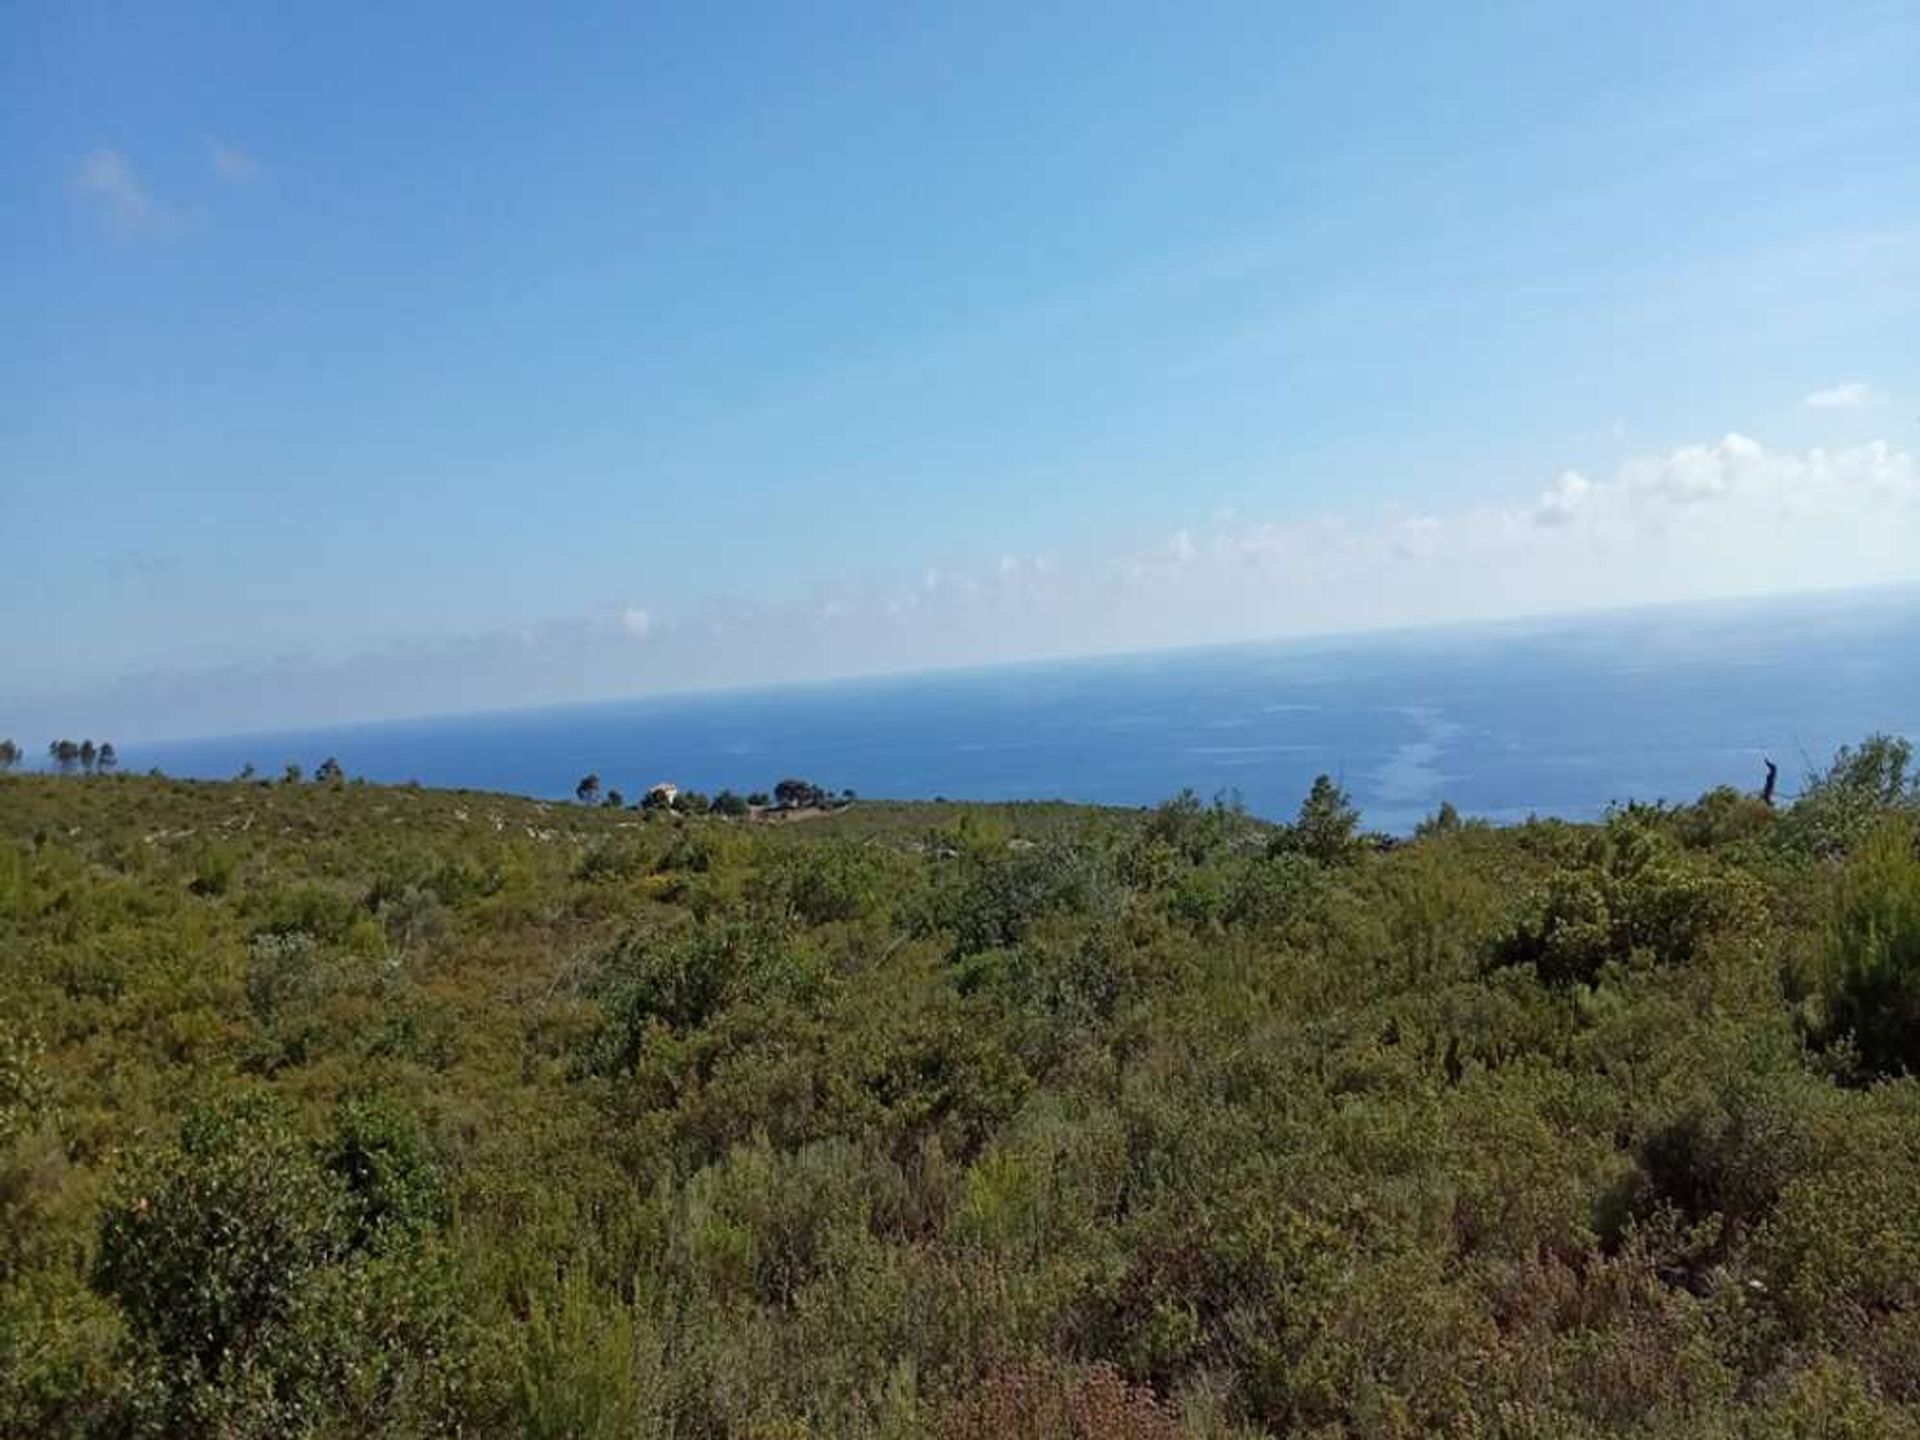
[[788, 794], [66, 756]]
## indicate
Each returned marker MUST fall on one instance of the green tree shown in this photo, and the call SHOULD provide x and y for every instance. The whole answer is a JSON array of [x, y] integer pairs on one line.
[[730, 804], [9, 756], [328, 772], [291, 775], [1326, 826], [106, 760], [89, 756], [1876, 769], [65, 755], [796, 794], [588, 790], [1841, 807]]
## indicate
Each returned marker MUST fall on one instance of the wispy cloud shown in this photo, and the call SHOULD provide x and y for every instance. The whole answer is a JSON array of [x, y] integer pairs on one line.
[[1847, 395], [1714, 519], [232, 164], [106, 180]]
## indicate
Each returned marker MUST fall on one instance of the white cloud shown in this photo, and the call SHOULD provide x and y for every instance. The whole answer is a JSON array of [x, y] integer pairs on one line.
[[1561, 505], [232, 164], [1730, 517], [1788, 509], [1847, 395], [1692, 474], [107, 179], [1724, 518]]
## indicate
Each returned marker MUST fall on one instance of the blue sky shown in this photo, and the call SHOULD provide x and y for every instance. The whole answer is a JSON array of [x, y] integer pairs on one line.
[[399, 359]]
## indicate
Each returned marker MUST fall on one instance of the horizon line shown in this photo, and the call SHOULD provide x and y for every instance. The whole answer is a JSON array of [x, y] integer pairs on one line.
[[1360, 634]]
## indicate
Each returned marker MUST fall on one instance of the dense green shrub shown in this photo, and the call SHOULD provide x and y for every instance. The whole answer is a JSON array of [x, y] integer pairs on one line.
[[30, 1155], [214, 872], [450, 1112], [392, 1186], [1871, 974], [839, 880], [1728, 1155], [1193, 831], [267, 1292], [619, 859], [1723, 816], [1631, 894], [989, 892], [677, 981], [1841, 806], [210, 1245]]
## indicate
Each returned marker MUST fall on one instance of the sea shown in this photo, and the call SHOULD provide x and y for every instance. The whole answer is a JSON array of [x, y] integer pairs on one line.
[[1560, 716]]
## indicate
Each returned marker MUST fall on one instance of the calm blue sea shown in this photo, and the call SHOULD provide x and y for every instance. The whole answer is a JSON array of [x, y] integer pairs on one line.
[[1553, 717]]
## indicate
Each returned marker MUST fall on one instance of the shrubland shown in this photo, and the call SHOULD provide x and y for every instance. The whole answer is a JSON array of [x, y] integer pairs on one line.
[[332, 1109]]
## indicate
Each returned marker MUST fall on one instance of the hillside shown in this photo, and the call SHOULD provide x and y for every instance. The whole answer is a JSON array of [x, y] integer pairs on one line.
[[337, 1109]]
